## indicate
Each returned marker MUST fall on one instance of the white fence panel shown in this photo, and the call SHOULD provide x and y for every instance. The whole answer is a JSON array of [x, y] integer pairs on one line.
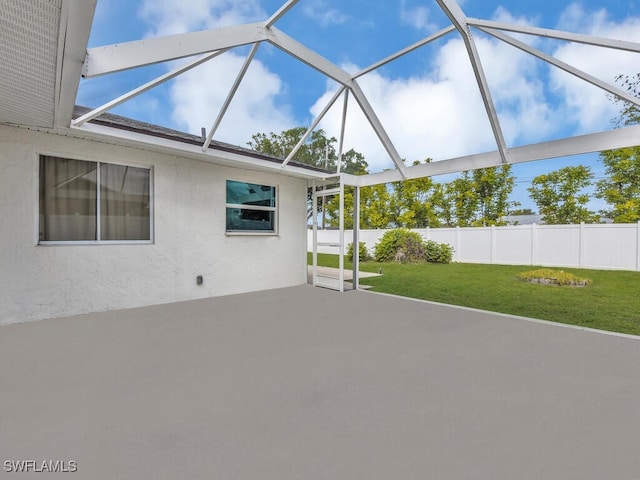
[[613, 246], [474, 245], [557, 245], [514, 245], [442, 235]]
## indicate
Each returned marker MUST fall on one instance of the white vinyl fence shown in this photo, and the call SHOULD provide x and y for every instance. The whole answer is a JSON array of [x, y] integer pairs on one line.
[[598, 246]]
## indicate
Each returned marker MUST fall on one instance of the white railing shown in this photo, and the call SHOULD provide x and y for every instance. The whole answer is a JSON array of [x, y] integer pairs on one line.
[[598, 246]]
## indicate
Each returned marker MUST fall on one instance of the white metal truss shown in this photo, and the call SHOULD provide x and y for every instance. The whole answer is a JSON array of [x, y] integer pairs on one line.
[[115, 58], [96, 112], [128, 55], [75, 28], [459, 20], [562, 65], [313, 126], [342, 129], [593, 142], [232, 92]]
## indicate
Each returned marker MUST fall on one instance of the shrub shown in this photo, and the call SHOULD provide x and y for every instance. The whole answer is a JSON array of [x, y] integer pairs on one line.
[[438, 252], [554, 277], [363, 253], [400, 245]]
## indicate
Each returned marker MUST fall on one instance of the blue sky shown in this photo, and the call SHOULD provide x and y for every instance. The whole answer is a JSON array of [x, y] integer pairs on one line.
[[427, 101]]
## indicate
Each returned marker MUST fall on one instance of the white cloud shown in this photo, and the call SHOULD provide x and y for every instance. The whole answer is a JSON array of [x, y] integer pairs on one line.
[[417, 17], [319, 11], [441, 114], [168, 17], [437, 114], [589, 106], [198, 95]]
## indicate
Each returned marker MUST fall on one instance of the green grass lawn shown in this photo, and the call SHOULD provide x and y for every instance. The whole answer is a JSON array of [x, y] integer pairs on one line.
[[611, 302]]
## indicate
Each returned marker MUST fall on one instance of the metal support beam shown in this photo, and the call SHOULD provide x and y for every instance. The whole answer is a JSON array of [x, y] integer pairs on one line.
[[232, 92], [563, 66], [124, 56], [409, 49], [309, 57], [368, 111], [341, 227], [593, 142], [314, 223], [558, 34], [75, 27], [143, 88], [280, 13], [342, 129], [356, 238], [313, 126], [458, 18]]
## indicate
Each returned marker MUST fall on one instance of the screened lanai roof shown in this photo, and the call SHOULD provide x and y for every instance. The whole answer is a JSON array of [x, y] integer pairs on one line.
[[46, 51]]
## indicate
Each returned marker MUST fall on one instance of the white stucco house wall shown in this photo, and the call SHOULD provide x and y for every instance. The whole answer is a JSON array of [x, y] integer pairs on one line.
[[188, 234], [119, 213]]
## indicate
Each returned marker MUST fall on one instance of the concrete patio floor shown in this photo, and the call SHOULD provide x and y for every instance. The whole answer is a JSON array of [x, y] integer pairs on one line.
[[306, 383]]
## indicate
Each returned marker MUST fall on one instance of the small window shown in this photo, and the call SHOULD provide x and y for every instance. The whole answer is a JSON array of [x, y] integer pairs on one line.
[[251, 207], [84, 201]]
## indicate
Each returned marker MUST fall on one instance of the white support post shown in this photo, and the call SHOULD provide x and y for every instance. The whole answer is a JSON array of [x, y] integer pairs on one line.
[[314, 222], [341, 262], [356, 238], [638, 248]]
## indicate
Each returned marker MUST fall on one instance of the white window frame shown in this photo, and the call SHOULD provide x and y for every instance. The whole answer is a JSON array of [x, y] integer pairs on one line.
[[276, 216], [151, 239]]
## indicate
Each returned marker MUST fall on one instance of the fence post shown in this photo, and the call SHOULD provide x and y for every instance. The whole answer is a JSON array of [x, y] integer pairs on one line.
[[534, 245], [492, 259], [581, 243], [638, 248], [457, 252]]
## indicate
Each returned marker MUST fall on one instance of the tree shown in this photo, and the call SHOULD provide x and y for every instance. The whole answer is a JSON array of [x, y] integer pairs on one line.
[[318, 150], [522, 211], [463, 200], [375, 206], [630, 113], [493, 187], [412, 204], [481, 197], [621, 188], [560, 195]]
